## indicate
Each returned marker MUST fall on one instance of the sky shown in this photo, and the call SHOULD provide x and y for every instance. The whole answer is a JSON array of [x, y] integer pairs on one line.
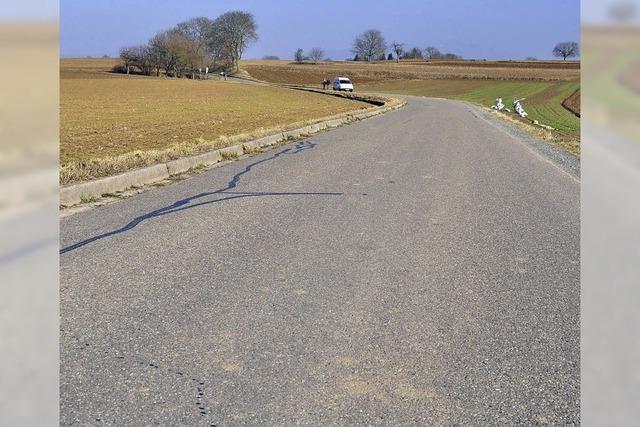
[[489, 29]]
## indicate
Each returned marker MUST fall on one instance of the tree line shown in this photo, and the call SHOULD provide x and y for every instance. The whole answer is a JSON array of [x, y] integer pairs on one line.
[[315, 55], [193, 46], [371, 46]]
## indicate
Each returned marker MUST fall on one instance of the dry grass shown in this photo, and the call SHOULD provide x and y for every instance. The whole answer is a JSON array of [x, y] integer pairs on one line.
[[111, 123]]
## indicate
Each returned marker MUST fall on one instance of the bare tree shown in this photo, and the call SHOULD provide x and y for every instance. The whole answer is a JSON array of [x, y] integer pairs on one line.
[[193, 45], [160, 53], [197, 29], [566, 50], [398, 48], [177, 52], [231, 33], [316, 54], [138, 57], [432, 53], [197, 32], [299, 55], [127, 55], [156, 53], [181, 49], [143, 59], [369, 45], [414, 53]]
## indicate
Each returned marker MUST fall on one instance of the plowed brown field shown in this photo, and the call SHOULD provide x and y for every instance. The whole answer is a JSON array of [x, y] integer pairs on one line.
[[363, 72], [572, 103]]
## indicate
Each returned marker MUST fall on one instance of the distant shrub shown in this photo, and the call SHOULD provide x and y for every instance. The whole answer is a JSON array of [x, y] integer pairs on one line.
[[119, 69], [451, 56], [414, 53]]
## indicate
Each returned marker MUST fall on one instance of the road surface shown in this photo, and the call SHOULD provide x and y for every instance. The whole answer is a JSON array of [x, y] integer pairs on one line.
[[420, 267]]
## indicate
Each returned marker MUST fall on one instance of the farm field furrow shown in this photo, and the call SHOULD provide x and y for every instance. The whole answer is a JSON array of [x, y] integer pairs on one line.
[[363, 72]]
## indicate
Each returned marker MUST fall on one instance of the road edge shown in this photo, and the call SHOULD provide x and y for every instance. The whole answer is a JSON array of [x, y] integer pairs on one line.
[[87, 191], [562, 159]]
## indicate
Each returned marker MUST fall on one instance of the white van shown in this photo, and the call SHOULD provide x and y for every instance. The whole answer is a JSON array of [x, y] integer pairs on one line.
[[342, 83]]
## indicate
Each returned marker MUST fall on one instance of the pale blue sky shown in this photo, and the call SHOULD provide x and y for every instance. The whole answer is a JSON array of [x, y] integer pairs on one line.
[[492, 29]]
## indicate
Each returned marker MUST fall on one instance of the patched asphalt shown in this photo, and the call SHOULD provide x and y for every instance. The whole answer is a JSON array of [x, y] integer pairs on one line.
[[420, 267]]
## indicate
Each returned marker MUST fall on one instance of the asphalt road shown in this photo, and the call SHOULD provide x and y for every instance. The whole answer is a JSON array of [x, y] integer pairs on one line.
[[420, 267]]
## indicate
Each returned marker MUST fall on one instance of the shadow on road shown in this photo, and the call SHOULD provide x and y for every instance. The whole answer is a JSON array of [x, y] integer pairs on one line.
[[186, 203]]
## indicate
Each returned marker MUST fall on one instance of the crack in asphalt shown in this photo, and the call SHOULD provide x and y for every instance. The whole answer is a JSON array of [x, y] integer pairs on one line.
[[186, 203], [199, 383]]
